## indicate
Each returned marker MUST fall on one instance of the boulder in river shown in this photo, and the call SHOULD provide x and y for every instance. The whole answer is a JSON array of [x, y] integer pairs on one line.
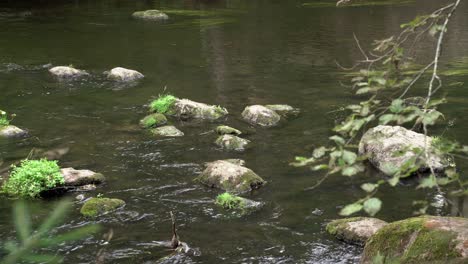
[[230, 177], [227, 130], [11, 131], [231, 142], [186, 109], [153, 120], [67, 72], [283, 109], [425, 239], [167, 131], [99, 206], [150, 15], [260, 115], [388, 148], [355, 230], [81, 177], [123, 75], [240, 205]]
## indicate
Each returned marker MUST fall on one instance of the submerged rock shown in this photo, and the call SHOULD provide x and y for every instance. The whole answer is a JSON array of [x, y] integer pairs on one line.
[[52, 154], [225, 130], [11, 131], [284, 110], [153, 120], [167, 131], [260, 115], [66, 72], [230, 177], [355, 230], [187, 109], [152, 15], [124, 75], [231, 142], [99, 206], [81, 177], [389, 147], [426, 239], [239, 205]]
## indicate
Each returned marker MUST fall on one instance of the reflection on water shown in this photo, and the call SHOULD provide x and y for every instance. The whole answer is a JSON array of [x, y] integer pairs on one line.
[[242, 52]]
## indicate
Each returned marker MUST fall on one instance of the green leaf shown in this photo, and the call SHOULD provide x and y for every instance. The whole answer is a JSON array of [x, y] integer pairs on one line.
[[338, 140], [363, 90], [431, 117], [372, 206], [320, 167], [396, 106], [428, 182], [319, 152], [351, 209], [387, 118], [349, 157], [369, 187], [394, 181], [351, 170], [22, 220]]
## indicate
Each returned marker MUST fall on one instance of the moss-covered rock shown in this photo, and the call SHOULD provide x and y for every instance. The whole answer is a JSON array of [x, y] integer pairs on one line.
[[123, 75], [188, 109], [99, 206], [67, 72], [230, 177], [240, 205], [153, 120], [81, 177], [284, 110], [355, 230], [260, 115], [167, 131], [11, 131], [426, 239], [232, 143], [227, 130], [150, 15]]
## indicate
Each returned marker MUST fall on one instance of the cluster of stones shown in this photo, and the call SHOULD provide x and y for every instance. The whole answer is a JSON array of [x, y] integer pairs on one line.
[[424, 239], [116, 74]]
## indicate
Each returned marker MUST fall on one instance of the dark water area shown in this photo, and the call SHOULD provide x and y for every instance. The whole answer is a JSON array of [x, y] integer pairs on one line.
[[249, 52]]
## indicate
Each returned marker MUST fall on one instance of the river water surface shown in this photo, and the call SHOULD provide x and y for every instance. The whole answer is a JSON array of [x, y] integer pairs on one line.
[[242, 53]]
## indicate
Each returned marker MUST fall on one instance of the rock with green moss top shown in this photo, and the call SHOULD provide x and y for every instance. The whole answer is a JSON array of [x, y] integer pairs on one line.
[[388, 148], [261, 116], [188, 109], [232, 143], [150, 15], [99, 206], [239, 204], [167, 131], [355, 230], [11, 131], [227, 130], [153, 120], [230, 177], [284, 110], [426, 239], [81, 177]]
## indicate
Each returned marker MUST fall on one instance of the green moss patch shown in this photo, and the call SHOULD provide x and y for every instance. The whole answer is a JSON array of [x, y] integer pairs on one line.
[[230, 201], [32, 177], [98, 206], [4, 119], [163, 104], [153, 120]]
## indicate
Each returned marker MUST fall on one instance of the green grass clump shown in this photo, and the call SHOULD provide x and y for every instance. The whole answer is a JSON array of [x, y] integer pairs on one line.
[[229, 201], [4, 119], [153, 120], [32, 177], [163, 103]]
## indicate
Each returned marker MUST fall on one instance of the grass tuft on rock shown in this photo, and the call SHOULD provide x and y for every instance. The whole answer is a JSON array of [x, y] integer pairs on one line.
[[163, 104], [4, 119], [230, 201], [32, 177]]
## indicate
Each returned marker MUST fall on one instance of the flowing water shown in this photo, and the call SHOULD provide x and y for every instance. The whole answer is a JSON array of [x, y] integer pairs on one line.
[[233, 54]]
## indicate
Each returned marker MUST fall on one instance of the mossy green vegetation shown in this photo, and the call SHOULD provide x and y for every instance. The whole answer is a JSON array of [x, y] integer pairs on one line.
[[359, 3], [99, 205], [32, 177], [153, 120], [226, 130], [4, 119], [335, 225], [163, 104], [230, 201], [412, 241]]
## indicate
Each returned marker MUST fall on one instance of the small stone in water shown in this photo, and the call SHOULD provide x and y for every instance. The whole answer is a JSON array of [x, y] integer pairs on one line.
[[317, 212]]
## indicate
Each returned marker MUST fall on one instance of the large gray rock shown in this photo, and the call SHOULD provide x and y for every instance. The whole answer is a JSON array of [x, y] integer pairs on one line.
[[283, 110], [66, 72], [11, 131], [229, 176], [124, 75], [260, 115], [167, 131], [231, 142], [389, 147], [225, 130], [81, 177], [426, 239], [99, 206], [355, 230], [150, 15], [187, 109]]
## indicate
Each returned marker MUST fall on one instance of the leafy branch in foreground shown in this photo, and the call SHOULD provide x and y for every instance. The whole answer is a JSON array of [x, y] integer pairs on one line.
[[30, 242], [387, 72]]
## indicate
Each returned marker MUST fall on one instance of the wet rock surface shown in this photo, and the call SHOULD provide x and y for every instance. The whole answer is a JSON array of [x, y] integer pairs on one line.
[[261, 116], [123, 75], [66, 72], [11, 131], [150, 15], [81, 177], [232, 143], [99, 206], [355, 230], [188, 109], [167, 131]]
